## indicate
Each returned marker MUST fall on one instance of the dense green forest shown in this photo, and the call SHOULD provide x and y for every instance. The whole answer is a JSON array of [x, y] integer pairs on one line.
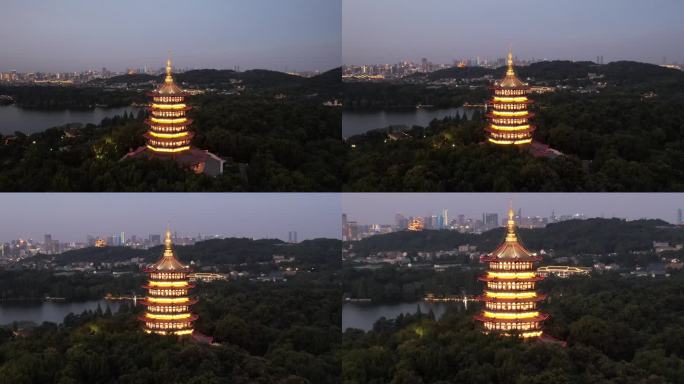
[[270, 144], [53, 97], [615, 140], [36, 285], [391, 284], [285, 333], [618, 331], [388, 96]]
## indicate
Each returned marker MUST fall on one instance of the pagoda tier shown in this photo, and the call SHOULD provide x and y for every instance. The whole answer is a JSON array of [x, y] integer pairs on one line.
[[167, 302], [510, 298], [168, 125], [509, 119]]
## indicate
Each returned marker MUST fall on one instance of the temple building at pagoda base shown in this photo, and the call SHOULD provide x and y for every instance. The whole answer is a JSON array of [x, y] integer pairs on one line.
[[537, 149], [195, 159]]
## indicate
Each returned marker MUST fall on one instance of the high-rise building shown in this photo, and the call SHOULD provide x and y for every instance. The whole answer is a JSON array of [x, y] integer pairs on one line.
[[491, 220], [116, 240], [345, 228], [292, 237], [400, 222], [353, 231], [49, 244], [168, 136], [154, 240], [167, 303], [509, 119], [510, 299]]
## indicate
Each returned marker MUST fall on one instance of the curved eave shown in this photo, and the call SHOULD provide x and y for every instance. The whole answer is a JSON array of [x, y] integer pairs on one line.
[[497, 87], [151, 123], [189, 136], [188, 303], [189, 286], [493, 258], [150, 108], [516, 280], [539, 297], [145, 319], [483, 318], [532, 128], [491, 115], [492, 101], [175, 94], [185, 270]]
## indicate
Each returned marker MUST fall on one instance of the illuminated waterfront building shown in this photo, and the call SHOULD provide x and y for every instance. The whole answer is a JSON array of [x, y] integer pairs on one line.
[[563, 271], [509, 118], [167, 302], [510, 299], [169, 136]]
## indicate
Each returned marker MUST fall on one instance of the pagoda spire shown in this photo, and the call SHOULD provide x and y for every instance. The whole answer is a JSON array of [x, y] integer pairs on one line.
[[510, 227], [168, 243], [510, 71], [169, 70]]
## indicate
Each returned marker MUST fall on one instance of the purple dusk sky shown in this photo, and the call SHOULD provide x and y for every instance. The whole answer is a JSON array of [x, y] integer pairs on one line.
[[74, 35], [388, 31], [380, 208], [72, 216]]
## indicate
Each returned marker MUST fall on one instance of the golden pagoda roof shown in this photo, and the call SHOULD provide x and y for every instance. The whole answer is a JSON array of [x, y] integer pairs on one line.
[[169, 87], [510, 80], [169, 262], [511, 249]]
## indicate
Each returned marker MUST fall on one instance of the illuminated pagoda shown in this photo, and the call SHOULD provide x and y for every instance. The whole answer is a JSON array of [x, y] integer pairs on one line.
[[510, 300], [169, 136], [167, 302], [509, 118]]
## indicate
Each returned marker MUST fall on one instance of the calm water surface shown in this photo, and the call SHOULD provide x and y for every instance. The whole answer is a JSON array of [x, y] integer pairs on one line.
[[355, 123], [13, 118], [364, 315], [52, 311]]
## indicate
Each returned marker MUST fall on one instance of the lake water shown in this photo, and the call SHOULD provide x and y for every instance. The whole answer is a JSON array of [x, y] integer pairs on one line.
[[13, 118], [364, 315], [356, 123], [52, 311]]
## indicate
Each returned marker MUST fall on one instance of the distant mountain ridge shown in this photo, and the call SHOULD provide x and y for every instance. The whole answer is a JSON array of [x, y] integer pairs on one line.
[[562, 69], [315, 252], [260, 78], [591, 236]]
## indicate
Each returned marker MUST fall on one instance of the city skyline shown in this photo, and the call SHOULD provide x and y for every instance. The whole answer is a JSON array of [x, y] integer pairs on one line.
[[444, 30], [71, 217], [368, 208], [300, 35]]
